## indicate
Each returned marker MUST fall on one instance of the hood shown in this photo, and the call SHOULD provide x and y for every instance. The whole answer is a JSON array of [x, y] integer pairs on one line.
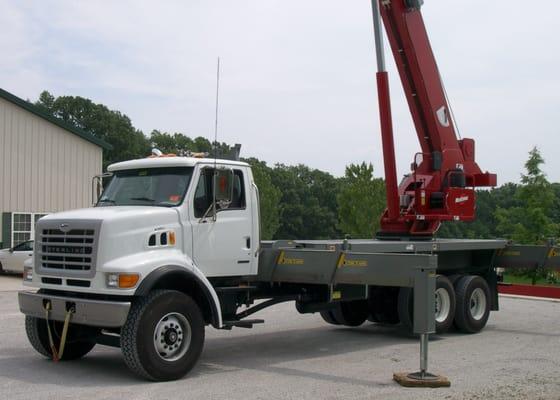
[[120, 230], [113, 213]]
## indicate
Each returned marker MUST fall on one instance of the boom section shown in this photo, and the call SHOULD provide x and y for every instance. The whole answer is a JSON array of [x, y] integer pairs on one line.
[[444, 173]]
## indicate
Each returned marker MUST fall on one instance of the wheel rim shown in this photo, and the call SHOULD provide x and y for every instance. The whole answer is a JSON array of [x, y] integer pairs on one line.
[[443, 304], [172, 336], [478, 304]]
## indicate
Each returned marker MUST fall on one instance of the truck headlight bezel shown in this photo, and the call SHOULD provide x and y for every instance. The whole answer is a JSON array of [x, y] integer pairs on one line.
[[124, 280]]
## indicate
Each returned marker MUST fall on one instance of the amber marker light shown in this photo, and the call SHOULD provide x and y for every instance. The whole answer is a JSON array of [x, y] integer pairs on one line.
[[172, 238], [127, 281]]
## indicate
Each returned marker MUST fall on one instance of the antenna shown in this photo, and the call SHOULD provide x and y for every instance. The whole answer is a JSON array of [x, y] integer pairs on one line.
[[217, 108], [216, 137]]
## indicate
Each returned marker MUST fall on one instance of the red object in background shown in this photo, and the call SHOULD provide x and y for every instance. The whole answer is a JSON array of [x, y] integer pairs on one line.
[[447, 171], [530, 290]]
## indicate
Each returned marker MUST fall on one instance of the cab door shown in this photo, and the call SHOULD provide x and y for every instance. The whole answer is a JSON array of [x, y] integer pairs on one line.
[[222, 242]]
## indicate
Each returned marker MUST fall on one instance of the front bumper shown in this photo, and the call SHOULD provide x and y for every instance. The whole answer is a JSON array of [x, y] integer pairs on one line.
[[106, 314]]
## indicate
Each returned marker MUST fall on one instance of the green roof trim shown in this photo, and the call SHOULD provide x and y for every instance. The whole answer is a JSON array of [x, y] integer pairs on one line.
[[57, 121]]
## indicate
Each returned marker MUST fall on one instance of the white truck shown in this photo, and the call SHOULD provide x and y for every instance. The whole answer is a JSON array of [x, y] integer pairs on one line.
[[173, 245]]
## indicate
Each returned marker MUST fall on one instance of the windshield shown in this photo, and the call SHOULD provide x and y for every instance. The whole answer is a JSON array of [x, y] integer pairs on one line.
[[147, 187]]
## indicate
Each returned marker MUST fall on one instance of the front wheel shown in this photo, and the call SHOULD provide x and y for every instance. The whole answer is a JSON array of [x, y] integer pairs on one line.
[[163, 335], [77, 344]]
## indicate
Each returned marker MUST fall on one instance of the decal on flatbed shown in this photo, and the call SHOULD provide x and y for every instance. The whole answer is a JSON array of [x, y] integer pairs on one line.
[[283, 260]]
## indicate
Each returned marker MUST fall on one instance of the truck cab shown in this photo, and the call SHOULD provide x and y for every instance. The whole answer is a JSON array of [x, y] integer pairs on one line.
[[162, 222], [155, 212]]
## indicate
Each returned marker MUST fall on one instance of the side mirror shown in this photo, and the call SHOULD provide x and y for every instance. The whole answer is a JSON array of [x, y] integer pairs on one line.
[[223, 187], [97, 186]]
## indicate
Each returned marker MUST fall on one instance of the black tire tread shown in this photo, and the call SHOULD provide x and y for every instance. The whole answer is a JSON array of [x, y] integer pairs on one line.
[[462, 313], [129, 337], [403, 306], [406, 305], [34, 337], [129, 346], [351, 313], [328, 317], [36, 331]]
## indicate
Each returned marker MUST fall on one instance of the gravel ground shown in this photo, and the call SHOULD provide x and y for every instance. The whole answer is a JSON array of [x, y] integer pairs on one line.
[[295, 356]]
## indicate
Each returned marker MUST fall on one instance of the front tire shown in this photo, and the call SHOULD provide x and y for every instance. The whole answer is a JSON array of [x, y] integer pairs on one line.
[[473, 304], [36, 330], [163, 335]]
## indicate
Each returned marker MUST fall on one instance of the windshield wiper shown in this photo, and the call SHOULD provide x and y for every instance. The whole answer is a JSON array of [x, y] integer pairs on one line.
[[142, 199], [107, 201]]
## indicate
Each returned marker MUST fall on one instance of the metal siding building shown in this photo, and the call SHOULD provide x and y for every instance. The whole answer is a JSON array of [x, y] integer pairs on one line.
[[46, 166]]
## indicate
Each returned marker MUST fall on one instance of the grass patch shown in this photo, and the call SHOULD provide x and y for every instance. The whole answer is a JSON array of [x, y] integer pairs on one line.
[[525, 280]]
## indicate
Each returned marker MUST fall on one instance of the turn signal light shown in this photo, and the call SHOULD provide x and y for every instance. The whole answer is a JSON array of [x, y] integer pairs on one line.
[[127, 281]]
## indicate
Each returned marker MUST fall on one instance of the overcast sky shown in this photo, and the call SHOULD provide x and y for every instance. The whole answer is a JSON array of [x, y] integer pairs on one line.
[[298, 83]]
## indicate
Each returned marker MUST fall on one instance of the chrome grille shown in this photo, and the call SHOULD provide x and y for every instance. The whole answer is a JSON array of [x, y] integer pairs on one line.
[[69, 252]]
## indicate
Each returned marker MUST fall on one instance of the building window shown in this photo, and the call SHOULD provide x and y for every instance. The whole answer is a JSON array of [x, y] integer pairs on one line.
[[23, 227]]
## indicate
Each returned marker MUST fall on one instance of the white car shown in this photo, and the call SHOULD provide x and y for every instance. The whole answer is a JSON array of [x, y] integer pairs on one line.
[[11, 260]]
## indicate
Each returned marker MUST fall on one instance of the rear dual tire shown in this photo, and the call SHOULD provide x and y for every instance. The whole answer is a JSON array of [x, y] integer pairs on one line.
[[473, 304], [348, 313], [445, 304]]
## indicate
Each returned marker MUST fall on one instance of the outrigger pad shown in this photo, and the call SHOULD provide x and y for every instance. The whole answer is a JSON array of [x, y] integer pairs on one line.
[[414, 380]]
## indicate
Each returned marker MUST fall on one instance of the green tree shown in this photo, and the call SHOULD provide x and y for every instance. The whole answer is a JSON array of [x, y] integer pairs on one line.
[[269, 198], [308, 208], [361, 201], [112, 126], [530, 222], [178, 143]]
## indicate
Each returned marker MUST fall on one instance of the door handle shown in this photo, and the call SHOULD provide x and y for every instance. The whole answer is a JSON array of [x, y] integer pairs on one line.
[[248, 242]]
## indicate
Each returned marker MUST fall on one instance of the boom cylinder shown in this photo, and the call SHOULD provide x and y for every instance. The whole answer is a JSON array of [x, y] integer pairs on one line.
[[385, 118]]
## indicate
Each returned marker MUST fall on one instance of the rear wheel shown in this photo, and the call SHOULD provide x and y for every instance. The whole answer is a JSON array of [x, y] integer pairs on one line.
[[445, 301], [349, 313], [473, 304], [328, 317], [163, 335], [382, 305], [75, 347]]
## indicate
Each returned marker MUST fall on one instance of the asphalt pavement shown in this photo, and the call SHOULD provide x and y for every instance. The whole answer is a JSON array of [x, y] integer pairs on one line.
[[295, 356]]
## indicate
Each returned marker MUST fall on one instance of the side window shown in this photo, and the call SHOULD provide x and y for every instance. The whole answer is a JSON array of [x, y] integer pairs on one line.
[[203, 195], [238, 200], [25, 246]]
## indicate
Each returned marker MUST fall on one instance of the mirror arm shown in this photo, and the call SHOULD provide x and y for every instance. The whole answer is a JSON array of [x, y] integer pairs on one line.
[[205, 215], [214, 193]]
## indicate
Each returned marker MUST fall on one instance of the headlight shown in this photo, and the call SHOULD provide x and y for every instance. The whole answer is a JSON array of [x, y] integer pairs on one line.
[[27, 274], [122, 281]]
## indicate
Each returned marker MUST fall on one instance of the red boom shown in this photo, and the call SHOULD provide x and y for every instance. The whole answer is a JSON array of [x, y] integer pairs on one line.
[[441, 184]]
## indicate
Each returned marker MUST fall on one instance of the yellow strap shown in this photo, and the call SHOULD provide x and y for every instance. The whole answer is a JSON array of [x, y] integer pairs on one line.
[[51, 341], [57, 355], [64, 333]]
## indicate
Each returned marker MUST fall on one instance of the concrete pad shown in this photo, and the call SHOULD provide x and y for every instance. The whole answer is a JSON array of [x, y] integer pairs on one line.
[[434, 381]]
